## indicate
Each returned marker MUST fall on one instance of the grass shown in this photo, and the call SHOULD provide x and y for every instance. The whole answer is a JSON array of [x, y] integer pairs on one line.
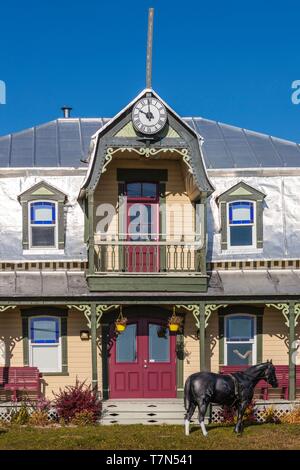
[[160, 437]]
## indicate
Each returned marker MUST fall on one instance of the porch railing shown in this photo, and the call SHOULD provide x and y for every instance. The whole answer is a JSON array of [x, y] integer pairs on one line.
[[147, 256]]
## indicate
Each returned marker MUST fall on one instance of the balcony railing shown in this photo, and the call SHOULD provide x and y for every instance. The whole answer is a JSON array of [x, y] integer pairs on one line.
[[147, 256]]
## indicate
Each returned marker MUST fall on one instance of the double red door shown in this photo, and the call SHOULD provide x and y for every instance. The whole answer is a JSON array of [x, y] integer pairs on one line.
[[142, 361]]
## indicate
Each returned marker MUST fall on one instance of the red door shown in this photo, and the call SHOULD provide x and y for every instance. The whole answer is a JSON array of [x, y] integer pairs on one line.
[[142, 362], [142, 227]]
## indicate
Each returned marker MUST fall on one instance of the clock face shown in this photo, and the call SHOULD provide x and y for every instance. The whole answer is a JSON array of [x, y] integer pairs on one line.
[[149, 116]]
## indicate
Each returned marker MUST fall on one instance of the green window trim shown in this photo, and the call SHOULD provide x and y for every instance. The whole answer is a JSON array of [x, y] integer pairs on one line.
[[50, 311], [257, 312], [242, 192], [43, 191]]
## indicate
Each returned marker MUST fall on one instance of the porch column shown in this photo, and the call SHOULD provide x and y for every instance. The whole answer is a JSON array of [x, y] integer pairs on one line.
[[91, 242], [94, 346], [292, 349], [202, 336]]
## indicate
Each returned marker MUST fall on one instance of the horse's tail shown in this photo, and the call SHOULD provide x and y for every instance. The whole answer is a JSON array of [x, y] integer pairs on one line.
[[187, 393]]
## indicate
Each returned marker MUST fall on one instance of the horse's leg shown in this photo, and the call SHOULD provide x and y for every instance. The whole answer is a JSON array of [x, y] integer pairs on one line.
[[202, 405], [240, 414], [188, 417]]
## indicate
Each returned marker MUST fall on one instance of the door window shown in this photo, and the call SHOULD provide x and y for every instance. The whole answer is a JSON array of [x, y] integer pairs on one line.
[[126, 350], [159, 343]]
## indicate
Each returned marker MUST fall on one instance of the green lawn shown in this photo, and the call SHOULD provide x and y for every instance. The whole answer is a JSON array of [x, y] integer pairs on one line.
[[164, 437]]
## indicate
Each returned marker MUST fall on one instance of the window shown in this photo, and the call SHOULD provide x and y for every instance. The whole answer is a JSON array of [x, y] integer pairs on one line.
[[43, 217], [241, 223], [45, 343], [241, 211], [141, 190], [42, 227], [240, 340]]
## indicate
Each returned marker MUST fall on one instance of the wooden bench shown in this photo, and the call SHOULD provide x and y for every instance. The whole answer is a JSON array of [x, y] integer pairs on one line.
[[23, 379], [282, 374], [261, 385]]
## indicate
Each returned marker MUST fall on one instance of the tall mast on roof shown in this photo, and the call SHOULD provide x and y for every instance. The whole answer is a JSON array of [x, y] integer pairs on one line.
[[149, 49]]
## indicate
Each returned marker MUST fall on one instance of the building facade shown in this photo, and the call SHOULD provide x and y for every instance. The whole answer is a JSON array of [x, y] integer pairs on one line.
[[141, 216]]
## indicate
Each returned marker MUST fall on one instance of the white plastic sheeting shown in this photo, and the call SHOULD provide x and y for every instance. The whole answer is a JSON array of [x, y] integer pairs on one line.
[[11, 219]]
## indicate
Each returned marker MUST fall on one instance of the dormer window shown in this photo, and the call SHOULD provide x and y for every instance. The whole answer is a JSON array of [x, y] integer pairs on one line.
[[43, 217], [241, 209], [42, 227], [241, 224]]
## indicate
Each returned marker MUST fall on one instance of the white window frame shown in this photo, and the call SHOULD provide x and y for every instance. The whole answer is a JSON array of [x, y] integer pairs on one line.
[[241, 248], [253, 342], [30, 225], [46, 345]]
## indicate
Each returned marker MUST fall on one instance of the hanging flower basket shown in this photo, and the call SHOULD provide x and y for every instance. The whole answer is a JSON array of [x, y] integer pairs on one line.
[[120, 327], [175, 322], [120, 323]]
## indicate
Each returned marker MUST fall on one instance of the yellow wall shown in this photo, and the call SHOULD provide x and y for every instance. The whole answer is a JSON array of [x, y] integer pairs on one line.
[[79, 352], [275, 336], [179, 209], [275, 341]]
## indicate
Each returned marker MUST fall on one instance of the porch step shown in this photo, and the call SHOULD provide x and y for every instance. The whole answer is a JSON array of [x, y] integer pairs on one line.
[[163, 411]]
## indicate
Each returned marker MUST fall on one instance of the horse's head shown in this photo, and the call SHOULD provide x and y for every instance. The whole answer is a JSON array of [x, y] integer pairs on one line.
[[270, 374]]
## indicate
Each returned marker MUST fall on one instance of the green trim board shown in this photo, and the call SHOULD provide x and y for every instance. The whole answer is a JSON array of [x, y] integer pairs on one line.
[[241, 192], [148, 283], [61, 313], [247, 310]]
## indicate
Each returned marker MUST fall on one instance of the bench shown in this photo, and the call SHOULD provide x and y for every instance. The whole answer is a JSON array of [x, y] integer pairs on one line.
[[23, 379], [261, 385], [282, 374]]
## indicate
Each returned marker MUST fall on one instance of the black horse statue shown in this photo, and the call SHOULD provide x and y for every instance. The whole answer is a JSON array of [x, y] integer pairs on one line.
[[234, 390]]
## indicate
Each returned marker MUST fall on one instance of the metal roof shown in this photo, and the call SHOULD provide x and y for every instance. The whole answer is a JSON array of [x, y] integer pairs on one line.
[[65, 142], [254, 284]]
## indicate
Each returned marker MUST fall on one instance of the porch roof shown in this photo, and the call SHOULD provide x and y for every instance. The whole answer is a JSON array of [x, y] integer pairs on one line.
[[71, 284]]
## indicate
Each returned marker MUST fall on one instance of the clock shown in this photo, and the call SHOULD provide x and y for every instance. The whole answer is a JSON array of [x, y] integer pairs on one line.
[[149, 116]]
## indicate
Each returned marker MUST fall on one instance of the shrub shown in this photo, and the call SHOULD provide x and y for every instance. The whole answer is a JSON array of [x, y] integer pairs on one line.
[[83, 418], [21, 416], [74, 399], [293, 417], [42, 404], [269, 416], [229, 415], [39, 418]]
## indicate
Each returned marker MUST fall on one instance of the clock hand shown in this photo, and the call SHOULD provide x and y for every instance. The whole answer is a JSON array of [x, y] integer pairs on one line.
[[149, 114]]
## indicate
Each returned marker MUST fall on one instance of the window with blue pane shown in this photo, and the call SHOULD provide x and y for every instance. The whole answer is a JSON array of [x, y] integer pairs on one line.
[[241, 223], [45, 344], [42, 224], [240, 340], [44, 330]]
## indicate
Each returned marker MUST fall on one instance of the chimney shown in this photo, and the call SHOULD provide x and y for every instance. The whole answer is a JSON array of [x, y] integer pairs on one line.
[[66, 111]]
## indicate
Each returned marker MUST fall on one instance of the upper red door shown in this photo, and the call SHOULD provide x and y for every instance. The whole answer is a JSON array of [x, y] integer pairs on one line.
[[142, 363], [142, 227]]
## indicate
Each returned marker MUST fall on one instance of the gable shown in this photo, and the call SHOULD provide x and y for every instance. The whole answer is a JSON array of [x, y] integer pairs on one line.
[[42, 189], [242, 190], [119, 135]]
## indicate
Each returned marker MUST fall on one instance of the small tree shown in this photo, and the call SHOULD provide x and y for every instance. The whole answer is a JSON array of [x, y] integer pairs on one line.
[[74, 399]]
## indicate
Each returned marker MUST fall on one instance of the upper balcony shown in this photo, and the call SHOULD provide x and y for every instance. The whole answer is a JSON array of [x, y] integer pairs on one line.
[[169, 265]]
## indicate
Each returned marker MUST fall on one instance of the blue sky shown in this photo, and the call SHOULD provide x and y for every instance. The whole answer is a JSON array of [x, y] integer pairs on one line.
[[231, 61]]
